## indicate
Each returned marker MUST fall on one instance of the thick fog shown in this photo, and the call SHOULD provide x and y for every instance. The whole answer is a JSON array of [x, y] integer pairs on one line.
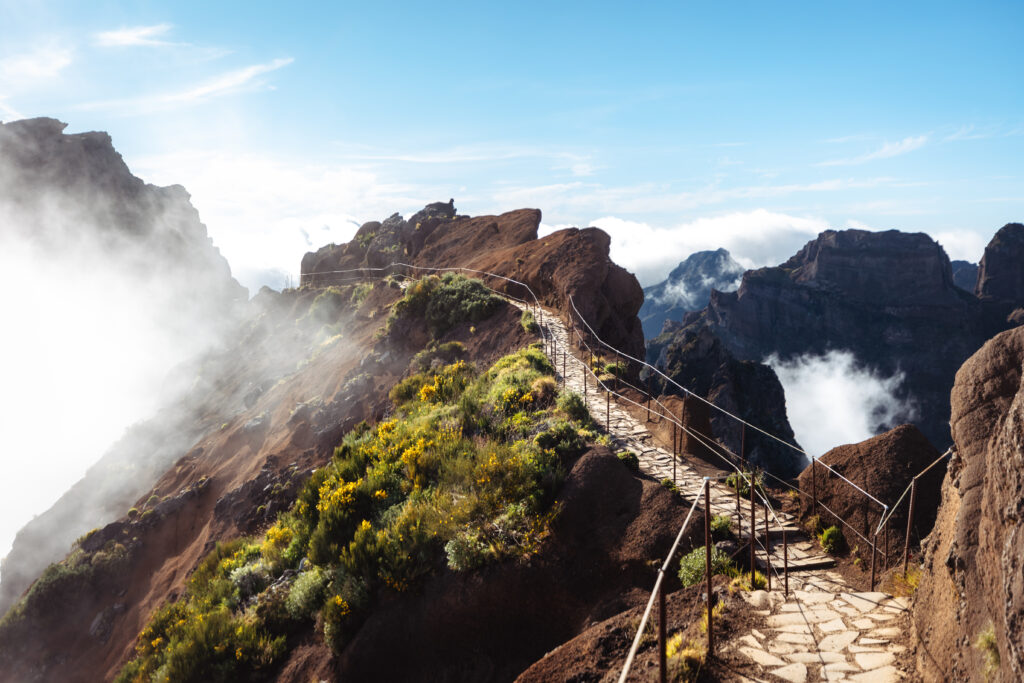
[[111, 285], [832, 400]]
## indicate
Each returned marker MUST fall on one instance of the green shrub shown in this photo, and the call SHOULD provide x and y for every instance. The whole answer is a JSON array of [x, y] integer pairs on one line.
[[563, 438], [988, 646], [693, 564], [327, 306], [543, 390], [445, 302], [467, 550], [670, 485], [306, 596], [629, 459], [571, 404], [742, 482], [831, 539], [528, 322], [360, 292], [721, 526]]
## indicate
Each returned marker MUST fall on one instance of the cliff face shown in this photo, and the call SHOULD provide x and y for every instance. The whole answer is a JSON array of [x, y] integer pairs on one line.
[[1001, 279], [71, 201], [888, 297], [688, 288], [973, 578], [697, 359], [965, 275], [567, 265]]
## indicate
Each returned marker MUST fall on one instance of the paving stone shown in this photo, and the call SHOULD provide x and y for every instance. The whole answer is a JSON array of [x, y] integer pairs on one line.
[[865, 602], [832, 626], [890, 632], [812, 597], [886, 674], [882, 617], [794, 628], [815, 657], [794, 673], [853, 649], [863, 624], [838, 642], [758, 599], [757, 634], [761, 657], [798, 638], [874, 660], [872, 641], [841, 667], [750, 641]]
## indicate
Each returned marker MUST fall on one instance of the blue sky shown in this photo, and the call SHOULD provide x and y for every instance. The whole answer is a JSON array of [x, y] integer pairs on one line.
[[675, 126]]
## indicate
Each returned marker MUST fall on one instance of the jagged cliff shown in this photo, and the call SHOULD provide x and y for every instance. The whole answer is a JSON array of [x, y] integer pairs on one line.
[[888, 297], [969, 609]]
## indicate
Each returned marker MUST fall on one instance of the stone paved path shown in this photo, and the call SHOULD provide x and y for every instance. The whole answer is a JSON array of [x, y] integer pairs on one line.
[[823, 631]]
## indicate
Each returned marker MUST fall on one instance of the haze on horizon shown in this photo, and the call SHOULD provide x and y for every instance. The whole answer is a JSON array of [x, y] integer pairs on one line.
[[675, 128]]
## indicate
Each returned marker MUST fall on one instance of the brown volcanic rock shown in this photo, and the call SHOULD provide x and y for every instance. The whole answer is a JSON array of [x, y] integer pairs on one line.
[[884, 466], [888, 297], [490, 627], [567, 265], [697, 359], [1001, 278], [974, 559]]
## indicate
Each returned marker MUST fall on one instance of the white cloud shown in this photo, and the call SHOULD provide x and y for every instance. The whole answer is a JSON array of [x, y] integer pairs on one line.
[[831, 400], [265, 212], [135, 36], [962, 244], [9, 113], [886, 151], [754, 238], [224, 84], [42, 64]]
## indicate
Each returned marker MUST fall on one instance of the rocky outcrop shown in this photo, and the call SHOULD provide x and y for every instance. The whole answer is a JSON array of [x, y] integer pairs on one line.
[[883, 465], [688, 288], [697, 359], [570, 265], [973, 569], [1001, 278], [74, 194], [888, 297], [965, 275]]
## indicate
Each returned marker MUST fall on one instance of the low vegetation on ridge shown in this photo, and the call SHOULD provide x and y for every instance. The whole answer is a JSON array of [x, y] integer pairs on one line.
[[465, 473]]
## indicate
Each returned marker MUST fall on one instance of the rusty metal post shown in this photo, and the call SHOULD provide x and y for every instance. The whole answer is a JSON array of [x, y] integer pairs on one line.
[[767, 548], [910, 522], [739, 513], [674, 440], [649, 398], [707, 564], [885, 541], [753, 531], [607, 410], [662, 668], [867, 525], [874, 542], [785, 561], [585, 382], [563, 367], [814, 486], [743, 442]]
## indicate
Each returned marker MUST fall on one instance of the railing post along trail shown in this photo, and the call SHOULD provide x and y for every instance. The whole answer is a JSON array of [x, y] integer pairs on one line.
[[662, 664], [753, 530], [785, 561], [910, 522], [707, 565], [767, 546]]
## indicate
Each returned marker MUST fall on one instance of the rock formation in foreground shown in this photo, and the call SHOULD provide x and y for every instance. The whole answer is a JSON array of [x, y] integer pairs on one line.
[[969, 608], [688, 288], [883, 465]]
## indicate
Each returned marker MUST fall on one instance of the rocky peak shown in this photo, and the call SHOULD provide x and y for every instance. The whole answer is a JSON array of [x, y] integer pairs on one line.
[[688, 288], [886, 268], [965, 275]]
